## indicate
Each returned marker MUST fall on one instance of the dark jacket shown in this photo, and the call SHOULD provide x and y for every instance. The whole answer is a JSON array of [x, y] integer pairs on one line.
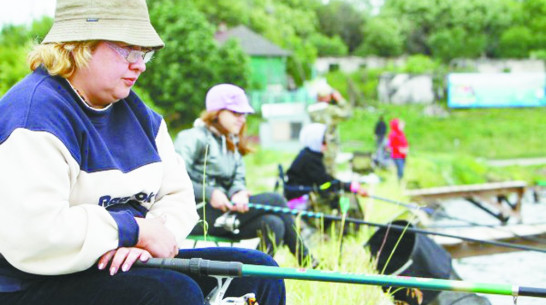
[[380, 129], [308, 170]]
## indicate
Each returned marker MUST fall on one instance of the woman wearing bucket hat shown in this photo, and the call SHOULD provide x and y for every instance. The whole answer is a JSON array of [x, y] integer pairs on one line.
[[91, 179], [213, 151]]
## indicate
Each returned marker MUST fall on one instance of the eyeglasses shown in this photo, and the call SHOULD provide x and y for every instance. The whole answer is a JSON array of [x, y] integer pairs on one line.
[[132, 56]]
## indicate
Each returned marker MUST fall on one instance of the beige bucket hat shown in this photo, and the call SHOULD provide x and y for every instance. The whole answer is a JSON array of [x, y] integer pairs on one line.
[[114, 20]]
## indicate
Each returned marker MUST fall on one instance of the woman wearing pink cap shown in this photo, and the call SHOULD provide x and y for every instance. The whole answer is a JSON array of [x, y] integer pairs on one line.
[[213, 151]]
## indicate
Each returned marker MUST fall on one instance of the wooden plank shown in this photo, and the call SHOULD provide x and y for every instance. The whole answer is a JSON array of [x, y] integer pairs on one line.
[[462, 190], [474, 191], [474, 249], [513, 233]]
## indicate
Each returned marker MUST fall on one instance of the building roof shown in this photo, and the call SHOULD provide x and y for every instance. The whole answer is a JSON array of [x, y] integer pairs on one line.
[[251, 42]]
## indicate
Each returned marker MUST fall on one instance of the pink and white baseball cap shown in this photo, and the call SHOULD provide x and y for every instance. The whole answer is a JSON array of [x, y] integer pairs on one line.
[[227, 96]]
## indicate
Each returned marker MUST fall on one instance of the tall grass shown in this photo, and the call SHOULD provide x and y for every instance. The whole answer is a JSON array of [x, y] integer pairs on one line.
[[354, 257]]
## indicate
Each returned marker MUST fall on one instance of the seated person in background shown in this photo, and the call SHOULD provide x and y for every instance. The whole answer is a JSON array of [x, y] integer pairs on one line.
[[308, 170], [213, 151]]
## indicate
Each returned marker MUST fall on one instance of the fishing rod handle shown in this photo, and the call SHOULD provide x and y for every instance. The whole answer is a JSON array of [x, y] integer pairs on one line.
[[532, 292], [195, 266]]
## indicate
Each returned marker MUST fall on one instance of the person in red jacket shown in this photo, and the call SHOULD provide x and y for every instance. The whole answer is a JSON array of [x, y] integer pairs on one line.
[[398, 145]]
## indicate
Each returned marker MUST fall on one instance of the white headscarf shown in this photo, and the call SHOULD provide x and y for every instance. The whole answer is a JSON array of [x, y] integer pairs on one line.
[[312, 135]]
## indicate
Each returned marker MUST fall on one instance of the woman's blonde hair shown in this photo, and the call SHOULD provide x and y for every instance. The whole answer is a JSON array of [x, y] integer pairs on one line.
[[211, 119], [62, 59]]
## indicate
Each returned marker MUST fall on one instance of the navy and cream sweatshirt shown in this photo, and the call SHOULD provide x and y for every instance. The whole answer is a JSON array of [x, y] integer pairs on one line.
[[73, 179]]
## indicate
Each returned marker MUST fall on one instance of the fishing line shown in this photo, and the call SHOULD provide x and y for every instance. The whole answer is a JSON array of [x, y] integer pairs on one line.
[[443, 214], [295, 212]]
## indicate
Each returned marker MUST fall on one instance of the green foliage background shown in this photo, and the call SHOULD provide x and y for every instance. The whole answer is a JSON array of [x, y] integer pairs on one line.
[[431, 33]]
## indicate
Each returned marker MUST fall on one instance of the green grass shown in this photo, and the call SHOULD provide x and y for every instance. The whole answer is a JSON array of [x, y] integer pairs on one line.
[[354, 259], [480, 133]]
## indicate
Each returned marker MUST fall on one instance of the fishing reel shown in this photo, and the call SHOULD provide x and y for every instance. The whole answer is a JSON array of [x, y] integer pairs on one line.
[[229, 222], [216, 296], [247, 299]]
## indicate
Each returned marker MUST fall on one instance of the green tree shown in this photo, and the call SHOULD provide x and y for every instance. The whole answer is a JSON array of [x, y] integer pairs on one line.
[[39, 28], [340, 18], [426, 22], [416, 18], [179, 76], [516, 42], [291, 24], [13, 35], [383, 36], [450, 43], [230, 12], [15, 41], [233, 66], [533, 12], [12, 66], [329, 46]]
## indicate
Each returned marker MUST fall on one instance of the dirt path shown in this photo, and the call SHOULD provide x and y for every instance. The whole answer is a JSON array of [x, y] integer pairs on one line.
[[520, 162]]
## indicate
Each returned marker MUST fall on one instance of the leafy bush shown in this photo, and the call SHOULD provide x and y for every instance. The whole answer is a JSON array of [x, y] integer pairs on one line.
[[538, 54], [450, 43], [382, 37], [516, 42], [419, 64], [13, 66], [329, 46]]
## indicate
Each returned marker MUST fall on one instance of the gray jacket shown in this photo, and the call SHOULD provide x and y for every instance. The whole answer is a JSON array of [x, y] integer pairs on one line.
[[223, 169]]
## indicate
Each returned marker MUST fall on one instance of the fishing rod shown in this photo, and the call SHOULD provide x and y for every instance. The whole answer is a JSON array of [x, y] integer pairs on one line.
[[309, 214], [471, 225], [410, 206], [202, 267], [329, 184], [429, 211]]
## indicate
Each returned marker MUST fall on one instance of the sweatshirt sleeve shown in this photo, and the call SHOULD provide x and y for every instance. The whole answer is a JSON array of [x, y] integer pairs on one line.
[[175, 199], [40, 231]]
